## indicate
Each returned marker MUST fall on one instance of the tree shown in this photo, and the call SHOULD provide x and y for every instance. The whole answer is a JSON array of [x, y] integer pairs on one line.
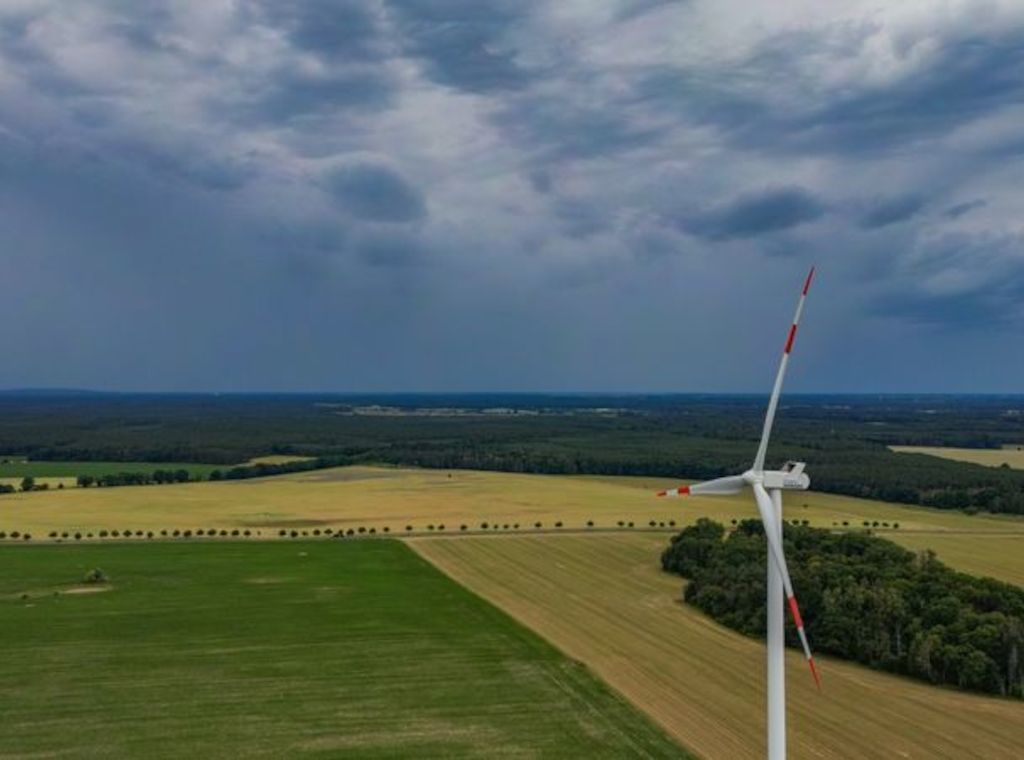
[[28, 483]]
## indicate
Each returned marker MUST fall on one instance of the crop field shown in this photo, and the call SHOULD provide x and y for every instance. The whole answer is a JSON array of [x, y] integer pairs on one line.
[[268, 649], [395, 498], [603, 600], [988, 457]]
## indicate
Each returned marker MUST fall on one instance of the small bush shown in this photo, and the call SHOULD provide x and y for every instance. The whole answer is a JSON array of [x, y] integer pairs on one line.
[[620, 523], [114, 534], [483, 526], [430, 526], [176, 533], [316, 531], [516, 526], [235, 532], [95, 576], [282, 533], [27, 537], [373, 531], [294, 534], [350, 532], [462, 527], [387, 529], [187, 534], [246, 532], [629, 524], [538, 525], [328, 531], [15, 534], [149, 534], [53, 534], [408, 527], [558, 524], [441, 526]]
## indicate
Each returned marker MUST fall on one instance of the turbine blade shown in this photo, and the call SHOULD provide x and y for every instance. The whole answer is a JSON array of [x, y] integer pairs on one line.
[[773, 402], [771, 529], [717, 487]]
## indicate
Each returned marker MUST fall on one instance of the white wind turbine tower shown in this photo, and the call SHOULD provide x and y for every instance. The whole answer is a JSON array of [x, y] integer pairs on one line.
[[768, 486]]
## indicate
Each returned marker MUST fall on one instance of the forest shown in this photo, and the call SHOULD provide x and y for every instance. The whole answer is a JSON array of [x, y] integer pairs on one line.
[[843, 439], [863, 599]]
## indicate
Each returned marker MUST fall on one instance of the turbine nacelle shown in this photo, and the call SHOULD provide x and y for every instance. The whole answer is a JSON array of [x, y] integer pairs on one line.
[[790, 478]]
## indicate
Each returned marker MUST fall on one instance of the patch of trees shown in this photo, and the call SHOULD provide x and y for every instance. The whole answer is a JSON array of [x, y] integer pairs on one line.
[[263, 470], [843, 439], [864, 599]]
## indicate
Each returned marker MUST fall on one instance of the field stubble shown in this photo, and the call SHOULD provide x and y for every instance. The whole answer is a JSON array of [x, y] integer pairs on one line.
[[603, 600]]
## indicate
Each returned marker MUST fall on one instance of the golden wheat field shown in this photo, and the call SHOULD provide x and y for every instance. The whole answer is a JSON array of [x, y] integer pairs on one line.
[[989, 457], [382, 497], [602, 600]]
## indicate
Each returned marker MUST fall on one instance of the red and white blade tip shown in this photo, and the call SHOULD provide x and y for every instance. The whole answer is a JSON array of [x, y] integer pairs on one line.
[[795, 611], [807, 282], [679, 491]]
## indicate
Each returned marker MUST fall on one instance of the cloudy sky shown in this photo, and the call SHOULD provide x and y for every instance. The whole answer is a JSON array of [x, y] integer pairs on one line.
[[511, 195]]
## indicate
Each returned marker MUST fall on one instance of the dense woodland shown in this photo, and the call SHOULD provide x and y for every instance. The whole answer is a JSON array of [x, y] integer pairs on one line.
[[843, 439], [863, 599]]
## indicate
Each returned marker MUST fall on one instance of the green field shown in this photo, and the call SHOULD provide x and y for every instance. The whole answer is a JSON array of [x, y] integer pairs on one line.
[[270, 649], [21, 469]]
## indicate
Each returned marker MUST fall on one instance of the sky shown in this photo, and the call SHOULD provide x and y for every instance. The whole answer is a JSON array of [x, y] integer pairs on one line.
[[517, 195]]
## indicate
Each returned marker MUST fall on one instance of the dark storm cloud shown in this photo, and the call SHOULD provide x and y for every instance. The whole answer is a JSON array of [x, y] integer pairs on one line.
[[346, 29], [958, 281], [561, 129], [485, 193], [375, 192], [754, 214], [960, 209], [883, 212], [389, 250], [966, 77], [295, 94], [464, 44]]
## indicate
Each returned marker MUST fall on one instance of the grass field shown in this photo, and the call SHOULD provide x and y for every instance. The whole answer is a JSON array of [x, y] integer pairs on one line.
[[988, 457], [368, 496], [602, 600], [312, 649], [20, 469]]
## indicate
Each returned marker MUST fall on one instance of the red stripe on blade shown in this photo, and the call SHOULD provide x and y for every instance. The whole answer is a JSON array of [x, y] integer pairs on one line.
[[683, 490], [789, 340], [807, 282], [795, 612], [814, 672]]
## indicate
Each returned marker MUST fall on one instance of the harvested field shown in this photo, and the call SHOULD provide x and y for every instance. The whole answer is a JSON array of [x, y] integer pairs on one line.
[[603, 600], [395, 498]]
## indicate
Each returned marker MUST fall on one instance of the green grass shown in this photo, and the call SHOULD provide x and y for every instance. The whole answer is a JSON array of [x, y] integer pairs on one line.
[[309, 649], [21, 469]]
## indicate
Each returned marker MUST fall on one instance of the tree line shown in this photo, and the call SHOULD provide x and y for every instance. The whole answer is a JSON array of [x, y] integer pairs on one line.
[[864, 599]]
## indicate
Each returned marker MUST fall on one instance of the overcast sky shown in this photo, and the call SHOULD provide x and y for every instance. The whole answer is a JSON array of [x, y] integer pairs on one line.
[[490, 195]]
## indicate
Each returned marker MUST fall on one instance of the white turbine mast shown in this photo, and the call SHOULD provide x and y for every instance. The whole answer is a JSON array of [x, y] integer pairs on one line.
[[768, 486]]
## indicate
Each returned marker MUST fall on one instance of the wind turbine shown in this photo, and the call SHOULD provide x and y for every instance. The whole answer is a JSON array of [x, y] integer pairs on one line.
[[768, 486]]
